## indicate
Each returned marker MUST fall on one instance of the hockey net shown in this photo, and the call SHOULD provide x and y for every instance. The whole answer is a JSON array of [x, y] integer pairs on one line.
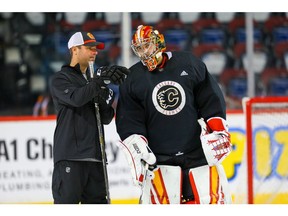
[[267, 149]]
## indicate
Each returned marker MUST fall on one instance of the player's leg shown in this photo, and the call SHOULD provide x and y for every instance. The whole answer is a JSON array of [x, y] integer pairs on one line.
[[66, 182], [165, 188], [209, 185], [94, 191]]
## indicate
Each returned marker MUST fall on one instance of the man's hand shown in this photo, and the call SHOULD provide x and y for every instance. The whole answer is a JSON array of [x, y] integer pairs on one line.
[[105, 96], [113, 74]]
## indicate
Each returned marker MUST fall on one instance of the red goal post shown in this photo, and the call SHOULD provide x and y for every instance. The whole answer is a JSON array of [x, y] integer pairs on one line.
[[267, 149]]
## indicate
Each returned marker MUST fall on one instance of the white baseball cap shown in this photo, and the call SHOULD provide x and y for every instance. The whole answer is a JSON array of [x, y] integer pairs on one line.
[[84, 38]]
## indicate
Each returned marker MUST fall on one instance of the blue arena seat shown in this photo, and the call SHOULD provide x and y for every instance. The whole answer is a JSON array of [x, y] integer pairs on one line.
[[176, 37], [237, 87], [212, 35], [240, 35], [230, 77], [279, 86], [280, 34], [275, 81]]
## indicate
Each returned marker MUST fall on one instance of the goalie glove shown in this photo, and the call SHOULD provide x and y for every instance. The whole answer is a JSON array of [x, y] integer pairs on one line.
[[216, 145], [138, 155]]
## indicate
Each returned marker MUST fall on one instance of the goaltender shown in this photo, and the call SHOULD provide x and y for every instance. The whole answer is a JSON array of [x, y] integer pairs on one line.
[[171, 116]]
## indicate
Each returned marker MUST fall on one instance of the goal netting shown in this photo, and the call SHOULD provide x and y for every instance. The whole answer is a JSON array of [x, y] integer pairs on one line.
[[267, 149]]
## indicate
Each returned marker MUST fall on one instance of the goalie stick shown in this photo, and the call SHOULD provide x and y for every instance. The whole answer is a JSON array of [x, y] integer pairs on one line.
[[101, 137], [143, 187]]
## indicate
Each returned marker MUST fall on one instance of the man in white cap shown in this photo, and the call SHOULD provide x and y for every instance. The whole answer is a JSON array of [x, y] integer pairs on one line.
[[78, 175]]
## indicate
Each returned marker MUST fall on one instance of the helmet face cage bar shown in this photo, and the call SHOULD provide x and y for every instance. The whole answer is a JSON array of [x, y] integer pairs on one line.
[[146, 48]]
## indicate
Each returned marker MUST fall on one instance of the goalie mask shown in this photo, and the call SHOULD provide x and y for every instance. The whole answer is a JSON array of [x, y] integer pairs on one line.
[[148, 44]]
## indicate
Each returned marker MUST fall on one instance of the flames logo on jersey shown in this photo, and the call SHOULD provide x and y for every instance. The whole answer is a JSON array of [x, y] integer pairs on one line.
[[168, 97]]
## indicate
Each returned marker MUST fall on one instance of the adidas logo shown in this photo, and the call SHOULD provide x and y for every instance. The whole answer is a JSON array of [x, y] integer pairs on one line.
[[184, 73]]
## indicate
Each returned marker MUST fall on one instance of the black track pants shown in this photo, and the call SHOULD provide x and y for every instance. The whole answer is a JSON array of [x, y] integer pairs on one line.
[[76, 182]]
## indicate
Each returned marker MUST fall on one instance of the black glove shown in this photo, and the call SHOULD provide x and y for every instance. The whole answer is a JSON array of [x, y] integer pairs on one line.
[[99, 83], [105, 96], [114, 74]]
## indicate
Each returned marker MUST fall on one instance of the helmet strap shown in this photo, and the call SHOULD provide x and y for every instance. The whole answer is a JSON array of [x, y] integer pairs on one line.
[[153, 62], [164, 60]]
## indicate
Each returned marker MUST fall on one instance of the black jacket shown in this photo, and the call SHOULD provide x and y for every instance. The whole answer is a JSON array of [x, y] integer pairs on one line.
[[76, 134]]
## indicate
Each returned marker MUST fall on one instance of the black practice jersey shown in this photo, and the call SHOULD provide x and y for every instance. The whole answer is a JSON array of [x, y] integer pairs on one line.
[[164, 105]]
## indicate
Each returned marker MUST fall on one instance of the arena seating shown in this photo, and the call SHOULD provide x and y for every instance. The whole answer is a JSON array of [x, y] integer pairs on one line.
[[40, 39]]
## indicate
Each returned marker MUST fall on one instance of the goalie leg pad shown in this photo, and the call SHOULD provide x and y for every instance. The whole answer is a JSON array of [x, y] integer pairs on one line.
[[165, 187], [209, 185]]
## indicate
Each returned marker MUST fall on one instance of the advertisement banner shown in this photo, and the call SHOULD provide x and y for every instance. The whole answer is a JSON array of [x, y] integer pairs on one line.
[[26, 163]]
